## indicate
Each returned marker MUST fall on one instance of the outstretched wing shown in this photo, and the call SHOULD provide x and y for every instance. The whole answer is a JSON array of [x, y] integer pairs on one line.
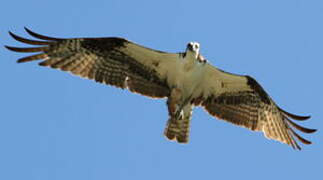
[[242, 101], [113, 61]]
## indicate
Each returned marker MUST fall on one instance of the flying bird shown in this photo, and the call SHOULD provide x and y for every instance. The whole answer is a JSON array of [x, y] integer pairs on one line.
[[186, 79]]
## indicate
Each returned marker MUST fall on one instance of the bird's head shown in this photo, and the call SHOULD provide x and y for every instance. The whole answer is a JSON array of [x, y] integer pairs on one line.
[[193, 48]]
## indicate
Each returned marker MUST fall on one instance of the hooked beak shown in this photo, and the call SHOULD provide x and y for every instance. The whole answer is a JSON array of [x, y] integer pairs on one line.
[[190, 47]]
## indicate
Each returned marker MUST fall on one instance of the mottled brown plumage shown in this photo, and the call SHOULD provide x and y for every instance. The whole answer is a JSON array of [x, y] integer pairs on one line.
[[186, 79], [254, 109], [95, 58]]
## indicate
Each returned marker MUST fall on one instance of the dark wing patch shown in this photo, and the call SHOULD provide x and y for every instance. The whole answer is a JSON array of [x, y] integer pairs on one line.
[[238, 108], [256, 111], [257, 88], [100, 59]]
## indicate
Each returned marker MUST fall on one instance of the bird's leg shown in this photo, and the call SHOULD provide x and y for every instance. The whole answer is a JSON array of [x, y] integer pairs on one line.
[[174, 101], [179, 113]]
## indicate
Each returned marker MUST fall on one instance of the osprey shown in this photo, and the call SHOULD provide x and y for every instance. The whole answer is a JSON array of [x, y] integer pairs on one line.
[[186, 79]]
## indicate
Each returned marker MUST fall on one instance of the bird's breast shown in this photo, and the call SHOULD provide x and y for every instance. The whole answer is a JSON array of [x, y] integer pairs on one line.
[[187, 80]]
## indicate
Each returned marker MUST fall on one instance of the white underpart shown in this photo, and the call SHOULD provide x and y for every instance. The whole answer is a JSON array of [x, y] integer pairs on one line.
[[185, 74]]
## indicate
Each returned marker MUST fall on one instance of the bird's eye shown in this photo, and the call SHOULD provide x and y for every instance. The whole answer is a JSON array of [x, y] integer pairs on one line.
[[196, 46]]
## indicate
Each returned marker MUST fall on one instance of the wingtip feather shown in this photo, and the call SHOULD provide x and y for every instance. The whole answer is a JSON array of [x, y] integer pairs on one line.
[[32, 58], [39, 36], [7, 47], [303, 140], [301, 128], [293, 116], [27, 41], [23, 50]]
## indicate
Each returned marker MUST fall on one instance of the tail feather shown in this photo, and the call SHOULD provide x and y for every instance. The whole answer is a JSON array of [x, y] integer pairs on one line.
[[178, 129]]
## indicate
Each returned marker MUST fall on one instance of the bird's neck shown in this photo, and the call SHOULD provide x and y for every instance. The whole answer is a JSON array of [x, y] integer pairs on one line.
[[190, 61]]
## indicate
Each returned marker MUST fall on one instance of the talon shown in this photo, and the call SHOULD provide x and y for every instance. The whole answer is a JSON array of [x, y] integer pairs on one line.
[[178, 114]]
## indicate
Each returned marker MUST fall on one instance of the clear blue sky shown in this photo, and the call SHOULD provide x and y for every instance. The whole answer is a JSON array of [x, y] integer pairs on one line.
[[55, 126]]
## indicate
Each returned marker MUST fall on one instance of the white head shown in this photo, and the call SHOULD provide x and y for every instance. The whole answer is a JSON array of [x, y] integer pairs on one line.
[[193, 47]]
